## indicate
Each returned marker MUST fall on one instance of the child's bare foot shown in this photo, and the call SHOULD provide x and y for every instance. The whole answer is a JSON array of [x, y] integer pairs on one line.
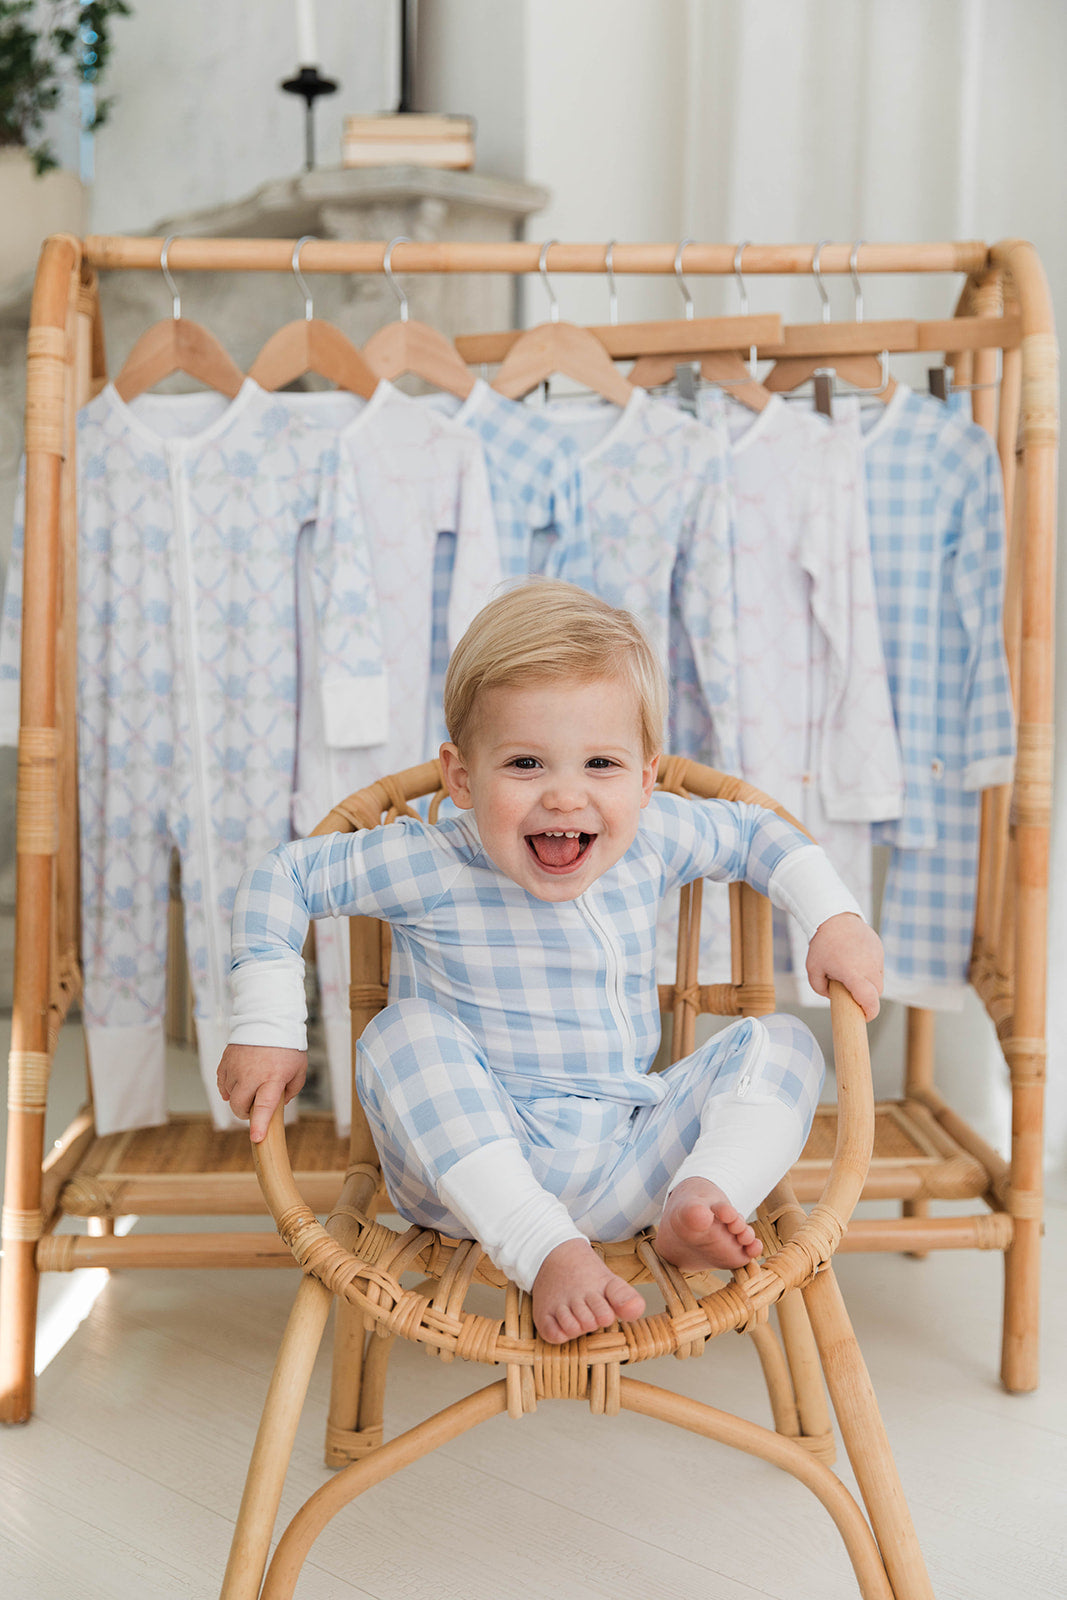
[[699, 1228], [574, 1292]]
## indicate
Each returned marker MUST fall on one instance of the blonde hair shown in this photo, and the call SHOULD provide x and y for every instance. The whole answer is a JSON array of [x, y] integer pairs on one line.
[[545, 631]]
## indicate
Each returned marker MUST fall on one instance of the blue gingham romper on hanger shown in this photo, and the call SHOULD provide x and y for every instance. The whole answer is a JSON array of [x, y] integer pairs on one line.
[[936, 510]]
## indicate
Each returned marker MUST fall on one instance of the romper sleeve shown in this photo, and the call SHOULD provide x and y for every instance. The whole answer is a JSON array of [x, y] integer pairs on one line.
[[703, 592], [398, 872], [978, 586], [572, 552], [476, 573], [733, 841], [351, 662], [859, 770]]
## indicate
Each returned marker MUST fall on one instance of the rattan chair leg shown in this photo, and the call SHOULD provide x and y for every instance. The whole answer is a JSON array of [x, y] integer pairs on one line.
[[777, 1377], [349, 1341], [1022, 1288], [867, 1563], [274, 1441], [919, 1054], [865, 1438], [372, 1395], [18, 1326], [333, 1496], [816, 1429]]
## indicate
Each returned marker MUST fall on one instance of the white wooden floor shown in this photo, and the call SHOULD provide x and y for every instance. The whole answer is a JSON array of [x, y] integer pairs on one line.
[[127, 1482]]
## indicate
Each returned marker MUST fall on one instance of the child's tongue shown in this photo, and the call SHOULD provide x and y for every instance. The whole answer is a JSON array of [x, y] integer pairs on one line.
[[555, 852]]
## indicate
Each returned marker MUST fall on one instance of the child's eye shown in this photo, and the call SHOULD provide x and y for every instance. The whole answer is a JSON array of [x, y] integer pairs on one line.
[[600, 763], [524, 763]]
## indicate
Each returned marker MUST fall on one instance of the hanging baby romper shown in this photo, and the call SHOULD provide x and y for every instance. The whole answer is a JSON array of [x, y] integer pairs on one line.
[[421, 481], [817, 729], [935, 501], [654, 487], [535, 482], [191, 509]]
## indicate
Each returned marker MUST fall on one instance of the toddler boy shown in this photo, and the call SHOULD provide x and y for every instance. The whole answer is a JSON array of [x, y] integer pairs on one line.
[[507, 1083]]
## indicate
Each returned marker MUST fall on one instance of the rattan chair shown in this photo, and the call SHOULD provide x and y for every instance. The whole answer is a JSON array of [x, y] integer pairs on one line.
[[361, 1262]]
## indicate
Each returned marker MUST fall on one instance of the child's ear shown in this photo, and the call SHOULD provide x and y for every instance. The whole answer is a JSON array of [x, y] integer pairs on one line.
[[455, 776], [648, 780]]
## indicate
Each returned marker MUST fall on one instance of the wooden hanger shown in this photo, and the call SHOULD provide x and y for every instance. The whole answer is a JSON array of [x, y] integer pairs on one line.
[[407, 346], [174, 344], [867, 371], [725, 367], [560, 347], [728, 368], [311, 345]]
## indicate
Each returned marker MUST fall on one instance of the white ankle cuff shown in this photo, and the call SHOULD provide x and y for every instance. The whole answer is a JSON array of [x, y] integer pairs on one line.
[[494, 1193], [746, 1148]]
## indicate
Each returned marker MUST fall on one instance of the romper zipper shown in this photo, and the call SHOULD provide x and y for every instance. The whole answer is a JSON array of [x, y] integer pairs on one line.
[[616, 996]]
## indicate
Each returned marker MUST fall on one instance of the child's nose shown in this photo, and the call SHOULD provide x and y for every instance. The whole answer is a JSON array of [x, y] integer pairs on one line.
[[564, 794]]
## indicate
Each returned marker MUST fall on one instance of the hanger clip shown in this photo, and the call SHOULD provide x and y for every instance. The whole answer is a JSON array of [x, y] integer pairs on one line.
[[685, 376]]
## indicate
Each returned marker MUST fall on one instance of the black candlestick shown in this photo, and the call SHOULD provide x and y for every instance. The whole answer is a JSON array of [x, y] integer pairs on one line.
[[310, 86]]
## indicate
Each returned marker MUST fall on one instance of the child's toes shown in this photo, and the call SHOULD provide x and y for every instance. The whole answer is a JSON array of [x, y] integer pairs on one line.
[[625, 1301], [600, 1311], [567, 1323]]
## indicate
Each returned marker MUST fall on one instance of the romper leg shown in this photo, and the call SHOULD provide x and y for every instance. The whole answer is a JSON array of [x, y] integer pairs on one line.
[[737, 1111], [430, 1099]]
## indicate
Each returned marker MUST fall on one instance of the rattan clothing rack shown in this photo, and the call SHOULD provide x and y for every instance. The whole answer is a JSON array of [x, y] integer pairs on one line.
[[924, 1150]]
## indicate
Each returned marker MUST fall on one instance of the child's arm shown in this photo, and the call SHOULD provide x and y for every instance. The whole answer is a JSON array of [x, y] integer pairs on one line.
[[255, 1079], [845, 948], [394, 872], [730, 839]]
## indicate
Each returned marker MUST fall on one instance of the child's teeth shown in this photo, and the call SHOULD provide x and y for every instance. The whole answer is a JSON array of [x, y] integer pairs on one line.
[[550, 834]]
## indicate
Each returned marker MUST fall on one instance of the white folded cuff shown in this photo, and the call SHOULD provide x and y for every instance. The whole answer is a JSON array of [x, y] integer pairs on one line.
[[883, 807], [746, 1148], [806, 885], [990, 773], [494, 1193], [269, 1004], [355, 711]]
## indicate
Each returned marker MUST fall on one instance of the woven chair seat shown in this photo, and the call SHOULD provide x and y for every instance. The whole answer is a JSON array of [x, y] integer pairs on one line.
[[367, 1275]]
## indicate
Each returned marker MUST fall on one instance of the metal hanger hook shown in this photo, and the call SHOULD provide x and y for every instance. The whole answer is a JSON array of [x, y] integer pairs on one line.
[[853, 270], [690, 309], [827, 313], [168, 280], [387, 268], [309, 310], [553, 303], [743, 295], [739, 275], [613, 293]]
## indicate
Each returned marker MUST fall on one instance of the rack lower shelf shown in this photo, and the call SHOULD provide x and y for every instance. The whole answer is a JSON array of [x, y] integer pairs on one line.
[[188, 1168]]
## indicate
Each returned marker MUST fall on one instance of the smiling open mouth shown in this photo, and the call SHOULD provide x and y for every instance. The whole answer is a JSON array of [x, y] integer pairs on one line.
[[558, 852]]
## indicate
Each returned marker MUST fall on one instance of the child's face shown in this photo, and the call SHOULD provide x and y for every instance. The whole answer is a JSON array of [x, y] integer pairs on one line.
[[548, 761]]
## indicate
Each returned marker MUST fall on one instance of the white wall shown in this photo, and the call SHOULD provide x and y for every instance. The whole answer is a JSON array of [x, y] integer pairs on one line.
[[199, 118], [471, 60]]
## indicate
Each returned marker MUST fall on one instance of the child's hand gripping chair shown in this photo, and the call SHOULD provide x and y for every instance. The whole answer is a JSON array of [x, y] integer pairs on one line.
[[361, 1262]]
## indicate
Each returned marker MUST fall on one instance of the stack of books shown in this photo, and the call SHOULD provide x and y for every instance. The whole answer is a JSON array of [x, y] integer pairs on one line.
[[416, 138]]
